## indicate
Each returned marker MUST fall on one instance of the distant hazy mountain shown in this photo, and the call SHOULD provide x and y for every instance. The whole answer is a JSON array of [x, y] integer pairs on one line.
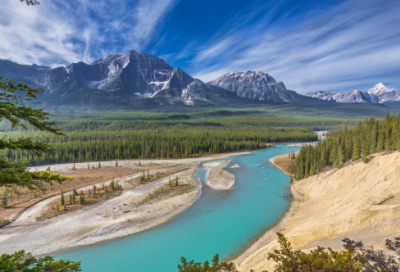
[[254, 85], [378, 94], [21, 73]]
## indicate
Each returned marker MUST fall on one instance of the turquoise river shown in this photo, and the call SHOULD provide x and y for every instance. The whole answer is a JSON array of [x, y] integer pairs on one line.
[[223, 222]]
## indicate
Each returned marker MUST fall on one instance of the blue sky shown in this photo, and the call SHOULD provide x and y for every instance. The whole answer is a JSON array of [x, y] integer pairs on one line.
[[309, 45]]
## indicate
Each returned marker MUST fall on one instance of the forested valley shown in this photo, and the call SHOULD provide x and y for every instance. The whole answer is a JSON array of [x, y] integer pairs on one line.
[[152, 136]]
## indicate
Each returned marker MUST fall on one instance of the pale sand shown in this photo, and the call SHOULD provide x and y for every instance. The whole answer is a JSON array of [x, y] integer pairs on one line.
[[347, 202], [117, 217], [217, 178], [236, 165]]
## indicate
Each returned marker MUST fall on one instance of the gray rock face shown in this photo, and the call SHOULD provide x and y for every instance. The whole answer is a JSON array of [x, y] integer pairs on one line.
[[378, 94], [136, 73], [254, 85], [323, 95], [198, 91]]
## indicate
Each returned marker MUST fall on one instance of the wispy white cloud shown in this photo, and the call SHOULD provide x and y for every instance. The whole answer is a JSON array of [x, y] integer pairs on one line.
[[354, 45], [60, 32]]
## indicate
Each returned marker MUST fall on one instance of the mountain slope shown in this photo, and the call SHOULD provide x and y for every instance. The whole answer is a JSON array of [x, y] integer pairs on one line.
[[254, 85], [20, 72], [136, 74]]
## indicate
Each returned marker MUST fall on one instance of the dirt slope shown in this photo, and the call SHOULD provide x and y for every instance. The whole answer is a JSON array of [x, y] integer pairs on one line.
[[360, 201]]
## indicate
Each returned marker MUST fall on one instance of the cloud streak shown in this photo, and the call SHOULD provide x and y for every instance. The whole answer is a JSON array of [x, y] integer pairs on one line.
[[60, 32], [354, 45]]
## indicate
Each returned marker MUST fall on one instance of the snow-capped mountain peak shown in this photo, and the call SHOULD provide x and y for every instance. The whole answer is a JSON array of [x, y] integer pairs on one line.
[[384, 93], [379, 88]]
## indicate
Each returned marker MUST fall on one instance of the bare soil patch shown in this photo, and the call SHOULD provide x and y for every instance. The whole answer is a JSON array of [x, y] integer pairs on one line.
[[18, 199]]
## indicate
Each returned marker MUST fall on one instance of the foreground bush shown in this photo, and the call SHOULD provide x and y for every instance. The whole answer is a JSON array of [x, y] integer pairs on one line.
[[354, 257], [25, 262], [215, 266]]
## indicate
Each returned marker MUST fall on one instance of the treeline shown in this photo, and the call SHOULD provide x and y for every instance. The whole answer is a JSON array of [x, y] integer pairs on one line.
[[227, 122], [370, 136], [154, 143]]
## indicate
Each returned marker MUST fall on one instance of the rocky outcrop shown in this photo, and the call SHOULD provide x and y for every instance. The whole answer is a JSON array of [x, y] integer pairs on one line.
[[254, 85], [378, 94]]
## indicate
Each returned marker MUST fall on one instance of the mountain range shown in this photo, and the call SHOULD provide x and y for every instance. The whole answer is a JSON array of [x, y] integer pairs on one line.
[[139, 80], [142, 79], [377, 94]]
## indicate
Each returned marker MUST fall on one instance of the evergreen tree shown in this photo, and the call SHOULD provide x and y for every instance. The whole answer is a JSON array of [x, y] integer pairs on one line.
[[176, 181], [13, 97], [369, 136], [3, 202], [62, 201], [81, 198]]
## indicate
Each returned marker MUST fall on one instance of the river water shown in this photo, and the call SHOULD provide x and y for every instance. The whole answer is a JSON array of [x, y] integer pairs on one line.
[[223, 222]]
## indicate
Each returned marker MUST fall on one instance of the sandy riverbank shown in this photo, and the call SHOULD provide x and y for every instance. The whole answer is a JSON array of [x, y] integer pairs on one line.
[[282, 162], [126, 214], [360, 201], [217, 178], [135, 210], [128, 163]]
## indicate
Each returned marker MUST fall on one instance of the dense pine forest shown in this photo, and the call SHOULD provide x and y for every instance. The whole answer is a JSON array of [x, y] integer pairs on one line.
[[161, 136], [160, 143], [369, 136]]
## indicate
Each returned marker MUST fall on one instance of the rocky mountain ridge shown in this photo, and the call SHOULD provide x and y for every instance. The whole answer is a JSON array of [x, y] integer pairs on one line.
[[254, 85], [135, 73], [377, 94], [139, 80], [136, 76]]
